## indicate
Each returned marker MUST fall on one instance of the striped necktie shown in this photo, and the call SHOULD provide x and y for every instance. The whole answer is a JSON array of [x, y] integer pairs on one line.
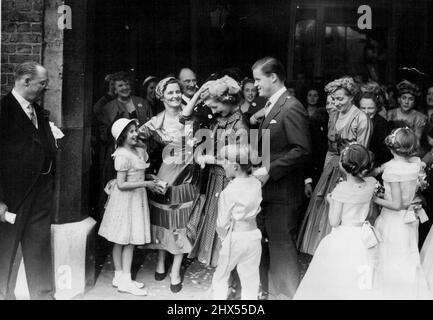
[[267, 109], [32, 115]]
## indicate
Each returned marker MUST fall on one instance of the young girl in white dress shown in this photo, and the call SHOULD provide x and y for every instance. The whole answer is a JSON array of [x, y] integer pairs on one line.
[[399, 274], [126, 218], [342, 265]]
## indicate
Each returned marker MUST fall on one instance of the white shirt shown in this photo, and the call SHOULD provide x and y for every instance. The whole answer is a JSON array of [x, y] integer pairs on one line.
[[240, 200], [25, 105], [273, 99]]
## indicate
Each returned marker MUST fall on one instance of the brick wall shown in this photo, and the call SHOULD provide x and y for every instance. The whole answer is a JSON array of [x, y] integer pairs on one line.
[[22, 36]]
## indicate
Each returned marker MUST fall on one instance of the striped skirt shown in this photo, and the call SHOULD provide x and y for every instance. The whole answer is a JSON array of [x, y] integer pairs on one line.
[[169, 215], [202, 224]]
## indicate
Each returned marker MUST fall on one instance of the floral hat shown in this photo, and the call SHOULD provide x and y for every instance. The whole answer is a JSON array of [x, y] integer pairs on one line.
[[225, 89], [346, 82], [408, 87]]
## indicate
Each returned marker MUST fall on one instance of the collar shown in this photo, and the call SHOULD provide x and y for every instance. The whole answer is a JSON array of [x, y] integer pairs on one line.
[[23, 102], [274, 98]]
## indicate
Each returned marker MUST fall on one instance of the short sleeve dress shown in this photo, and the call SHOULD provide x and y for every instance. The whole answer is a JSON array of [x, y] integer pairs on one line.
[[356, 127], [342, 260], [126, 218], [399, 274]]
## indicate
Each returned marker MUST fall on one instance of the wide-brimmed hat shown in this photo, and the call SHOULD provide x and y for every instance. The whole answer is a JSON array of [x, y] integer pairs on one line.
[[120, 125]]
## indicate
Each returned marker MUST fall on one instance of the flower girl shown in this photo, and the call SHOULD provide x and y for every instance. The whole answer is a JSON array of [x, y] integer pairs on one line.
[[342, 266], [399, 274]]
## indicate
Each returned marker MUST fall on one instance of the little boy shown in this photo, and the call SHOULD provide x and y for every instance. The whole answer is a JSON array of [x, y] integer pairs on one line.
[[238, 206]]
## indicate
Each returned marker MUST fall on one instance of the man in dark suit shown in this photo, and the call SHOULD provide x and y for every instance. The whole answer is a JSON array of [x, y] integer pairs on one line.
[[282, 173], [27, 156]]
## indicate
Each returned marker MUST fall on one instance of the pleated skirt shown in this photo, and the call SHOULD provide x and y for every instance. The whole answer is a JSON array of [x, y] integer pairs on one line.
[[202, 224]]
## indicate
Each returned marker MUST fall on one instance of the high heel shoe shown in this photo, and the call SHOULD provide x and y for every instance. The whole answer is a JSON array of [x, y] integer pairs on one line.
[[175, 288], [160, 276]]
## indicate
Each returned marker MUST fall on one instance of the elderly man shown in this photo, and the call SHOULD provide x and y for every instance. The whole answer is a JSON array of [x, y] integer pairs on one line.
[[188, 80], [201, 113], [27, 157]]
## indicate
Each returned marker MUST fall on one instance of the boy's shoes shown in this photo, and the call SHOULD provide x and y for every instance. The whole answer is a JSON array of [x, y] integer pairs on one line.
[[130, 287], [116, 281]]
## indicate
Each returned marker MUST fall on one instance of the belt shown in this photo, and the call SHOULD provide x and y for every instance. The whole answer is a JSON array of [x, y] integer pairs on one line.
[[242, 226]]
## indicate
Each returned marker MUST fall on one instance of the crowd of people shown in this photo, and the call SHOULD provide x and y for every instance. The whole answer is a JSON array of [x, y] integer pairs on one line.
[[330, 150], [242, 175]]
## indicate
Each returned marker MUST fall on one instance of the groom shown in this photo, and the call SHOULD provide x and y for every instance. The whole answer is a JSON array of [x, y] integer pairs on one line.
[[282, 172]]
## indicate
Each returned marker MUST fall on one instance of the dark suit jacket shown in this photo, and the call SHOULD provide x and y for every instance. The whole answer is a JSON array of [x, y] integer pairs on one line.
[[290, 148], [381, 129], [318, 123], [23, 150]]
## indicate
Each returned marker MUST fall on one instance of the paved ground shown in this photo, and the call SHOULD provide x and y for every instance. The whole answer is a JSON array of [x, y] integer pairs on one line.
[[197, 280]]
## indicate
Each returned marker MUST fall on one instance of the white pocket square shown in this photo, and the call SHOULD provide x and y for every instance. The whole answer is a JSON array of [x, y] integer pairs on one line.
[[273, 121]]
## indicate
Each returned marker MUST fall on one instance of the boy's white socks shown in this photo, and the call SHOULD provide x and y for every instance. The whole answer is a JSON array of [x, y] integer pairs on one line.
[[126, 277]]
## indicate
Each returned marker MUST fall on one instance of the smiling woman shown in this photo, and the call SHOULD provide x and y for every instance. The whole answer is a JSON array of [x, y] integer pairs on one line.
[[223, 97], [348, 124], [406, 113], [170, 211]]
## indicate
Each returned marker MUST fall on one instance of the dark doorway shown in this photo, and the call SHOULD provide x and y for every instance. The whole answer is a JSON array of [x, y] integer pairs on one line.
[[158, 37]]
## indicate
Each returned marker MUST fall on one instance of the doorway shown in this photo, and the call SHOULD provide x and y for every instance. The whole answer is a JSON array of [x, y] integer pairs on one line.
[[327, 42]]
